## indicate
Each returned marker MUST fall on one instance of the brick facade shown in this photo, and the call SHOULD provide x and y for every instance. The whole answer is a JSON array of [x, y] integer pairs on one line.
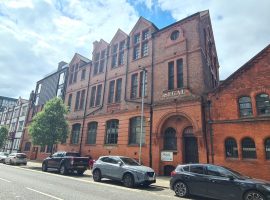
[[249, 81]]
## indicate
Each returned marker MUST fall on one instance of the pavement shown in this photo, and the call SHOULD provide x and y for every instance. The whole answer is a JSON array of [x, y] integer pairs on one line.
[[161, 181]]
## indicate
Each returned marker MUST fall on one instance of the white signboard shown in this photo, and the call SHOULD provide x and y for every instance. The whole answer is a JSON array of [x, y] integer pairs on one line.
[[166, 156]]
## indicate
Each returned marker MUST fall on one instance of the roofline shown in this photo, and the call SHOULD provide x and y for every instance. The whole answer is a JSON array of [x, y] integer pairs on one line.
[[243, 67]]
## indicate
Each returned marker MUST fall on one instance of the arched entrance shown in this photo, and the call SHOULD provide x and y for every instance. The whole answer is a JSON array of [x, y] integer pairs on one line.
[[190, 146]]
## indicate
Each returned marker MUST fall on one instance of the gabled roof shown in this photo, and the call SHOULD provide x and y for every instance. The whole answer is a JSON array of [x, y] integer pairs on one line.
[[76, 55], [242, 69], [144, 20], [201, 13], [118, 32]]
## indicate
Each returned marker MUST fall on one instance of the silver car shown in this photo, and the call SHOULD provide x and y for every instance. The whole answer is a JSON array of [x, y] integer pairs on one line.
[[3, 155], [124, 169], [16, 158]]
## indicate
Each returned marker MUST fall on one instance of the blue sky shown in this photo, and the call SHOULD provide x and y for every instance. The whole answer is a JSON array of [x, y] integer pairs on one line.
[[37, 34]]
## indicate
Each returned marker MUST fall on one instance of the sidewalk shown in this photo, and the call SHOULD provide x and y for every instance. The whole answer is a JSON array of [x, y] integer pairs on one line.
[[161, 181]]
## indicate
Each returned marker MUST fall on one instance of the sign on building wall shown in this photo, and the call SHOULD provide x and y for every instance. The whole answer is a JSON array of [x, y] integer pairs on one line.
[[166, 156], [174, 93]]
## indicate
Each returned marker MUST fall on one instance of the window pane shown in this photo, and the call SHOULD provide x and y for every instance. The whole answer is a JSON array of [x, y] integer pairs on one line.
[[111, 92], [196, 169], [170, 75], [135, 130], [75, 133], [180, 73], [93, 95], [231, 148], [267, 148], [77, 100], [118, 90], [170, 139], [112, 132], [99, 88], [248, 148], [134, 85], [245, 107], [92, 132], [263, 104]]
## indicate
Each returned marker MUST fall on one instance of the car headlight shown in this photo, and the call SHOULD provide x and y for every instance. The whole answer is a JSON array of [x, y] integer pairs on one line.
[[267, 187]]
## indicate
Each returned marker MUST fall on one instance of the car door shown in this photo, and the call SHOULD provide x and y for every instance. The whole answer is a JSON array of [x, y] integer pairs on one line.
[[197, 180], [52, 161], [221, 185]]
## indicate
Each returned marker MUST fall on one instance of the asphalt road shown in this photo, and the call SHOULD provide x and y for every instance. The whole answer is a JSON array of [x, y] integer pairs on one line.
[[20, 183]]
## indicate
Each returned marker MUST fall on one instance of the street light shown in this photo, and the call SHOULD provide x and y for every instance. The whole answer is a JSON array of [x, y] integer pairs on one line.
[[143, 89]]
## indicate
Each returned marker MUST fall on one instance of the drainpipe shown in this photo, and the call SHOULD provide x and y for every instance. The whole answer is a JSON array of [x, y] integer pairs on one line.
[[85, 107], [210, 122], [204, 105], [152, 101]]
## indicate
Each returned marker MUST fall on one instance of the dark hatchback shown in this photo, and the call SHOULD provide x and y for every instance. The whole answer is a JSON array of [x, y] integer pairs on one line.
[[217, 182]]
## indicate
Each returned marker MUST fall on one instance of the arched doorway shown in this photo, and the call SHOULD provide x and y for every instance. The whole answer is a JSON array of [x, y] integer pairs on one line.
[[190, 146]]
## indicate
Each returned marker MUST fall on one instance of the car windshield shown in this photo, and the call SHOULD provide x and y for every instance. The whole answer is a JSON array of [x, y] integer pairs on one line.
[[237, 174], [130, 161]]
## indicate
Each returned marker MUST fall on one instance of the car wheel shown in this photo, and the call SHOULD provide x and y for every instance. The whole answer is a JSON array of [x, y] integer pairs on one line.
[[253, 195], [44, 167], [63, 169], [128, 180], [180, 189], [80, 172], [97, 175]]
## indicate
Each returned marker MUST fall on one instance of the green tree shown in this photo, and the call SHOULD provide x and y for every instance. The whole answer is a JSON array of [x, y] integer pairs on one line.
[[49, 126], [3, 135]]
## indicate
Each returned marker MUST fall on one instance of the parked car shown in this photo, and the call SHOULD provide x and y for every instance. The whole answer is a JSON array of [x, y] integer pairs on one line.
[[217, 182], [3, 155], [16, 159], [124, 169], [66, 162]]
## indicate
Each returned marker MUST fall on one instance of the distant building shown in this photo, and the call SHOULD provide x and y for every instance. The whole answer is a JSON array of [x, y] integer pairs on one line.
[[15, 121], [6, 102], [54, 84]]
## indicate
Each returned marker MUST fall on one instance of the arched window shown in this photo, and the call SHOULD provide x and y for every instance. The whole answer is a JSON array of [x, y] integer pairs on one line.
[[188, 131], [263, 104], [245, 106], [27, 146], [112, 131], [92, 133], [170, 139], [267, 148], [135, 130], [231, 148], [76, 128], [248, 148]]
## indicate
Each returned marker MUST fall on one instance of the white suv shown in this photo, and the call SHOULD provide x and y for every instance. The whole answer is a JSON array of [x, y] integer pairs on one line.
[[16, 158]]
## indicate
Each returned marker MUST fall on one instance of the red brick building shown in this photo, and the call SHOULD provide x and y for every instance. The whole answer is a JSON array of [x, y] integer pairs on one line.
[[181, 65], [239, 124]]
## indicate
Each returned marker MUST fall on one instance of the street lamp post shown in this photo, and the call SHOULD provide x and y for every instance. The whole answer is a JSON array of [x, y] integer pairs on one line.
[[141, 135]]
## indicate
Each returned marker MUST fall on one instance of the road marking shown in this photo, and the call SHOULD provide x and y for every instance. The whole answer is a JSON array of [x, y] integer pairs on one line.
[[48, 195], [5, 180]]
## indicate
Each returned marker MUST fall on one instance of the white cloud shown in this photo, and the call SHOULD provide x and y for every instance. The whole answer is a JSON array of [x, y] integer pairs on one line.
[[36, 35]]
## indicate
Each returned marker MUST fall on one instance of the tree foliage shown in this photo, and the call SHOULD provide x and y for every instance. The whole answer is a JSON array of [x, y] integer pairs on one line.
[[49, 126], [3, 135]]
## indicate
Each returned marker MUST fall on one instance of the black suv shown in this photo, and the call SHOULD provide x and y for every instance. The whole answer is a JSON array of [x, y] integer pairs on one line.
[[217, 182]]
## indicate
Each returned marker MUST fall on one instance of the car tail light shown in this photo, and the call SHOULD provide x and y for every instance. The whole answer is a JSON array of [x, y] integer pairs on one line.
[[173, 173], [72, 161]]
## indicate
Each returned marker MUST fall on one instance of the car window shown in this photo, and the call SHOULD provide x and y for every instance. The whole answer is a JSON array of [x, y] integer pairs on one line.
[[73, 154], [129, 161], [186, 168], [55, 155], [197, 169], [104, 159], [112, 160], [21, 155], [217, 171]]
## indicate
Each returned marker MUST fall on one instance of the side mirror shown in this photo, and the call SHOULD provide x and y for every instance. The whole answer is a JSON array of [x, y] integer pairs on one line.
[[231, 178], [50, 156], [120, 163]]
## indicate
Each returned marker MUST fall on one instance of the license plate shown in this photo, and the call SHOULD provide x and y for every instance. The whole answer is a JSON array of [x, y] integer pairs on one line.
[[151, 178]]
